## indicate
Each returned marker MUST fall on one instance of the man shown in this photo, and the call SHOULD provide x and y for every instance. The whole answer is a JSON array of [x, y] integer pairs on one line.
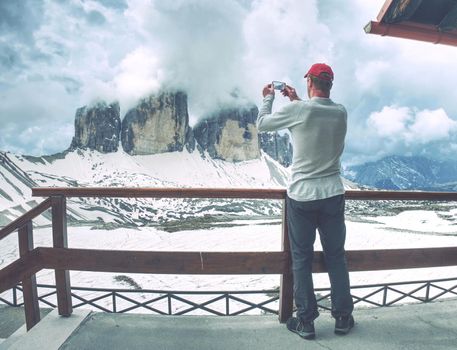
[[315, 195]]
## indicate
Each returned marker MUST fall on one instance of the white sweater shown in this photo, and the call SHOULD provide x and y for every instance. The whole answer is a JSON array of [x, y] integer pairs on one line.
[[318, 128]]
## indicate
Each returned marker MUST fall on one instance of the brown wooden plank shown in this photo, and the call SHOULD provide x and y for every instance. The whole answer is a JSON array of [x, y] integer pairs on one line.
[[164, 262], [29, 287], [392, 259], [135, 192], [18, 270], [401, 195], [286, 286], [230, 193], [23, 219], [236, 262], [59, 237]]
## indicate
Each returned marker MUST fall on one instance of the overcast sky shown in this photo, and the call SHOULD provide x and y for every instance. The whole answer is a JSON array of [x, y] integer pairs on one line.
[[58, 55]]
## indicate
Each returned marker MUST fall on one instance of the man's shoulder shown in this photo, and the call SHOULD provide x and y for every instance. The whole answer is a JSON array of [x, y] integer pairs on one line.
[[294, 106], [338, 106]]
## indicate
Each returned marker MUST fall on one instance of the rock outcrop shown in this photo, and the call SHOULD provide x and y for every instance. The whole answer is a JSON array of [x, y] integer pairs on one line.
[[159, 123], [229, 134], [97, 127], [277, 147]]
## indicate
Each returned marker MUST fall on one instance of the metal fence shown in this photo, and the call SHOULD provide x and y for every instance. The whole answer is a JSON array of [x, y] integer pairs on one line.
[[231, 303]]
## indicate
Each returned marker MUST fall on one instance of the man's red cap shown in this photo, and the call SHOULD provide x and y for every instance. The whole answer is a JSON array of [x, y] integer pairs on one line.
[[318, 68]]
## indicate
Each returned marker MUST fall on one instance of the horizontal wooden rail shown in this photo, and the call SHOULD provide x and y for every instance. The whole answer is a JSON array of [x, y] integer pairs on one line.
[[394, 259], [15, 272], [22, 220], [201, 263], [212, 262], [136, 192], [401, 195], [241, 193]]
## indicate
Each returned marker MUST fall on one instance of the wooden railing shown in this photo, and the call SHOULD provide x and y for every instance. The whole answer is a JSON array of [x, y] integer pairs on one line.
[[62, 259]]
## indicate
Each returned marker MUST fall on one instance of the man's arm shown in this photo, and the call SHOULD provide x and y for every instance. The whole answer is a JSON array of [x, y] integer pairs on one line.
[[291, 93], [283, 119]]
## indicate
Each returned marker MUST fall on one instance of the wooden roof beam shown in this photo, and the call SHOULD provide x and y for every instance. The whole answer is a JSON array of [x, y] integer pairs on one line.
[[407, 31], [449, 22]]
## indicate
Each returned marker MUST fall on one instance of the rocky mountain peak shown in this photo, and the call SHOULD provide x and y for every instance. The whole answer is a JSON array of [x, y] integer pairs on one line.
[[405, 173], [229, 134], [277, 147], [159, 123], [97, 127]]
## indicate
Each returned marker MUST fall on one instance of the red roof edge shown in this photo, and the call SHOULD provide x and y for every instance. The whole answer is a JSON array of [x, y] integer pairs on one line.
[[414, 32]]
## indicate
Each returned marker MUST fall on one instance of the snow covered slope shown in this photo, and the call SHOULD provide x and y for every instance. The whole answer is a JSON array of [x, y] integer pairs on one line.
[[406, 173], [174, 169], [15, 193]]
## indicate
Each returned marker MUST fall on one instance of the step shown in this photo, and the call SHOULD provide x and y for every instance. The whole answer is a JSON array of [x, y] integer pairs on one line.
[[13, 317], [49, 334]]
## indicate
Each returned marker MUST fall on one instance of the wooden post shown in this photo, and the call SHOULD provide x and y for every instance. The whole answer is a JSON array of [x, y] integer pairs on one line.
[[59, 236], [29, 287], [286, 289]]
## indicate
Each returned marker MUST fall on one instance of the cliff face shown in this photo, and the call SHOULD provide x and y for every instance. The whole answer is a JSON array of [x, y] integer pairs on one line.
[[97, 127], [277, 147], [157, 124], [229, 134], [160, 123]]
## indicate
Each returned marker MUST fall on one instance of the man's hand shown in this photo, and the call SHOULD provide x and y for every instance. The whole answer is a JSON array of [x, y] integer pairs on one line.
[[268, 90], [290, 92]]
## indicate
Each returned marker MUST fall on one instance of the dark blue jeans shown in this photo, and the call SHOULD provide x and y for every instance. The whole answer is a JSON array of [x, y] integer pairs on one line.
[[327, 216]]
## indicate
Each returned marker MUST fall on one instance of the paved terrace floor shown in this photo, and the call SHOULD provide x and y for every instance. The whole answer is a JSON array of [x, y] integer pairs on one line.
[[415, 327]]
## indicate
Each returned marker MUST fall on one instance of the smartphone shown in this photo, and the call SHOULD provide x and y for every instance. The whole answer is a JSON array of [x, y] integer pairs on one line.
[[278, 85]]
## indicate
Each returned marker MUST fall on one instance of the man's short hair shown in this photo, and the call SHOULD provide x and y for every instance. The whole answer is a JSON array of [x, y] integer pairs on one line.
[[321, 84]]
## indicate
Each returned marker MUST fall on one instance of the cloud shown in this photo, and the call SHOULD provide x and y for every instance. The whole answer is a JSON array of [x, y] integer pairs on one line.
[[64, 58], [138, 75], [37, 131], [18, 22], [391, 121], [199, 46], [10, 59], [19, 19], [95, 18], [116, 4], [432, 125], [411, 125], [405, 131], [281, 43], [369, 75], [56, 56]]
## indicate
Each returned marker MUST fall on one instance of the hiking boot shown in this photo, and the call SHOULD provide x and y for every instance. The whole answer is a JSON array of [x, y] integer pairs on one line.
[[343, 324], [303, 329]]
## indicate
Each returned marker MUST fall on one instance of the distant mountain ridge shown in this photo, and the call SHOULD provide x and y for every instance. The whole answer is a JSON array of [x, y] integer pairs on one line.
[[406, 173]]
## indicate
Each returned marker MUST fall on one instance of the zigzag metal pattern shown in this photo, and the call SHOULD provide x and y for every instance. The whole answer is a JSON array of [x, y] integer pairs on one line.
[[421, 293]]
